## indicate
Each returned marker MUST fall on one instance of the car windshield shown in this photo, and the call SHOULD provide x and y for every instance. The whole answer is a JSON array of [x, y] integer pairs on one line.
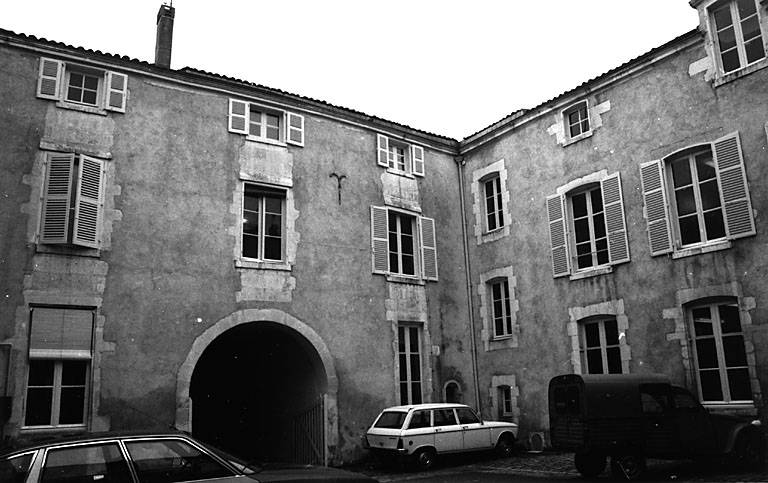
[[391, 420]]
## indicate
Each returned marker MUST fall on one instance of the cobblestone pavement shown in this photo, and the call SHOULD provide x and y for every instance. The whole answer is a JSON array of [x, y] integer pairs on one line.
[[559, 466]]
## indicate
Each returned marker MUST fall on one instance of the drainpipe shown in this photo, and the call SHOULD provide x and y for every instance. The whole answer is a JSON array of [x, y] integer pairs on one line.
[[470, 306]]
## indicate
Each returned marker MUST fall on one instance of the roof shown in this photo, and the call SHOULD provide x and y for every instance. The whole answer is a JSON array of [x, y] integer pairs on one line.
[[426, 406], [53, 440]]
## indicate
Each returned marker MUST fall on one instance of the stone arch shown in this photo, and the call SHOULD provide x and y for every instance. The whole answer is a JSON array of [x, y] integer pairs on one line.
[[184, 377]]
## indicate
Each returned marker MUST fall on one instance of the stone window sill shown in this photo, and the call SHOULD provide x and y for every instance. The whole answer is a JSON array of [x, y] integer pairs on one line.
[[401, 279], [82, 108], [593, 272], [68, 250], [260, 265], [265, 141], [760, 64], [698, 250], [497, 234], [502, 343], [400, 173], [575, 139]]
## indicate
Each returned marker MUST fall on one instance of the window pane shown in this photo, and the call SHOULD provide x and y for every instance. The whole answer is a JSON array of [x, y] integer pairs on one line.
[[681, 173], [702, 319], [273, 248], [90, 83], [735, 354], [727, 38], [403, 393], [579, 203], [750, 28], [730, 60], [401, 339], [86, 463], [710, 195], [407, 244], [713, 223], [273, 225], [72, 405], [499, 326], [14, 470], [250, 246], [415, 368], [614, 360], [689, 230], [273, 133], [273, 205], [251, 223], [595, 361], [419, 419], [251, 198], [73, 373], [581, 229], [746, 8], [170, 461], [711, 389], [89, 97], [705, 166], [41, 373], [754, 49], [413, 336], [39, 404], [706, 353], [611, 332], [729, 318], [408, 265], [592, 334], [738, 380], [686, 203], [602, 251], [599, 225]]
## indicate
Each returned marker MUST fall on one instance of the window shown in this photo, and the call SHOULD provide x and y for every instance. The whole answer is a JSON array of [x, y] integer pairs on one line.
[[400, 157], [172, 460], [444, 417], [708, 197], [737, 34], [94, 462], [72, 203], [505, 401], [266, 124], [599, 344], [263, 223], [82, 86], [576, 120], [56, 393], [403, 244], [15, 469], [420, 419], [409, 359], [502, 313], [721, 361], [494, 214], [467, 416], [587, 227]]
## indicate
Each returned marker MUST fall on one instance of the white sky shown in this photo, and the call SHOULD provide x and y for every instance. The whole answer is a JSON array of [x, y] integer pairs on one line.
[[445, 66]]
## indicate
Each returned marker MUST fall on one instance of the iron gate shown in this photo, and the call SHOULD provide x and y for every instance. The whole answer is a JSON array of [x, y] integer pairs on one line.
[[306, 435]]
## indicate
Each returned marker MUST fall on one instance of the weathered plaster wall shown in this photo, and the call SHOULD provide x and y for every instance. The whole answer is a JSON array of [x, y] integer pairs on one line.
[[652, 114]]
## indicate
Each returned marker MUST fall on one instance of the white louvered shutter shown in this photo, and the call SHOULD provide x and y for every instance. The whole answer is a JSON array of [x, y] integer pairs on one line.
[[382, 142], [734, 190], [417, 159], [49, 80], [428, 248], [615, 223], [56, 194], [656, 214], [295, 126], [558, 235], [380, 239], [238, 116], [88, 209], [116, 91]]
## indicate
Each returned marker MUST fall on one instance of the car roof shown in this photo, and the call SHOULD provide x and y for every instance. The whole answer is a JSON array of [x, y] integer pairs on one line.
[[426, 406], [48, 440]]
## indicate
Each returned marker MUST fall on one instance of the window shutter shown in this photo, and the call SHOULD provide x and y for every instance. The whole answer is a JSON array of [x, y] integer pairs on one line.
[[734, 190], [616, 226], [383, 150], [116, 91], [60, 333], [87, 230], [58, 185], [417, 158], [655, 198], [238, 116], [380, 239], [295, 123], [557, 235], [51, 72], [428, 248]]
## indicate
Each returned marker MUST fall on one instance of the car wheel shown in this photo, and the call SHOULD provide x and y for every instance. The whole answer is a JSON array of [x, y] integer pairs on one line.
[[424, 458], [589, 464], [750, 451], [627, 467], [506, 446]]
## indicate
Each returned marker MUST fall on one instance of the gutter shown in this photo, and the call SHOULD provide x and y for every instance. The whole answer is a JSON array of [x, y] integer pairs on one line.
[[470, 306]]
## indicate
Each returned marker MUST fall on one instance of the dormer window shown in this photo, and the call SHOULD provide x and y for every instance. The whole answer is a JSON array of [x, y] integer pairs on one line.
[[265, 124], [399, 157], [82, 88], [576, 119], [737, 34]]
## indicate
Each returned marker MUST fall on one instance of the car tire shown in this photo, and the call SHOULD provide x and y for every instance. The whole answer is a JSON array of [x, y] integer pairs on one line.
[[627, 467], [505, 446], [749, 452], [589, 465], [424, 459]]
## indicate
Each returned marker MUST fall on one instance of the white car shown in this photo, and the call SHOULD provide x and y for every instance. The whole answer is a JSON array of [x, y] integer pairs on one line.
[[423, 431]]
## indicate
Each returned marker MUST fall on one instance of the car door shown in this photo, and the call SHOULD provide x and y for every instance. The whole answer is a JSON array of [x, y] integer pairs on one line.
[[448, 435], [695, 432], [658, 431], [419, 430], [475, 435]]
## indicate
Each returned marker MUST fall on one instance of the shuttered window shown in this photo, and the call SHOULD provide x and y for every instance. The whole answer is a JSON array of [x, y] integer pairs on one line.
[[697, 197], [265, 124], [587, 227], [403, 244], [75, 84], [72, 200], [399, 157]]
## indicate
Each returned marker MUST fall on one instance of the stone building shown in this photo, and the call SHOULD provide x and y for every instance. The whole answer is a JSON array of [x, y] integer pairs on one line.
[[268, 271]]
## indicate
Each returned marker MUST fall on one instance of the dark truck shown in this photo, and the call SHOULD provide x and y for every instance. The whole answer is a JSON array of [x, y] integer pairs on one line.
[[631, 417]]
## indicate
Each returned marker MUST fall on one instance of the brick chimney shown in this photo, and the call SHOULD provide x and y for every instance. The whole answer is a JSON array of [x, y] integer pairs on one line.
[[164, 36]]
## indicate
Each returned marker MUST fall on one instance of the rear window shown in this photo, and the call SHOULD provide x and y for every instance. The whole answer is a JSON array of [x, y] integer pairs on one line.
[[14, 469], [390, 420], [567, 400]]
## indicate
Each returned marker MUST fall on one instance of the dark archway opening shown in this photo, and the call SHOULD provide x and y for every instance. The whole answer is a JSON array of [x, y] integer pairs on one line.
[[249, 389]]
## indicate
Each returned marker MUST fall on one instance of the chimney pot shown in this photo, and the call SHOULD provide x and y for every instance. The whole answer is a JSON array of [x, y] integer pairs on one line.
[[164, 38]]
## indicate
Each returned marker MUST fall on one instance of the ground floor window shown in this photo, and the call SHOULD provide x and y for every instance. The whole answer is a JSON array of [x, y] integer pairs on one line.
[[505, 400], [409, 358], [599, 344], [722, 371], [56, 393]]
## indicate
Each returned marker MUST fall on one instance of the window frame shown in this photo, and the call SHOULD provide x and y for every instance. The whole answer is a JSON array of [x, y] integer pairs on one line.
[[409, 381], [604, 346], [261, 223], [85, 72], [412, 220], [505, 401], [567, 125], [587, 191], [497, 197], [264, 126], [506, 308], [736, 21], [56, 391], [717, 335]]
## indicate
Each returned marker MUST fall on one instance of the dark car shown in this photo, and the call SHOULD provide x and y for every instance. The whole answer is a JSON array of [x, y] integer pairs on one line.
[[146, 458], [633, 417]]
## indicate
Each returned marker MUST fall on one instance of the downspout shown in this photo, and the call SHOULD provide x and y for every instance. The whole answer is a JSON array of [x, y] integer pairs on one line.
[[470, 306]]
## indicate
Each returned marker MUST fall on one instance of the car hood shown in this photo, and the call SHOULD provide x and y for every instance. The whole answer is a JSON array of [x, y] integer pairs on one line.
[[297, 472]]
